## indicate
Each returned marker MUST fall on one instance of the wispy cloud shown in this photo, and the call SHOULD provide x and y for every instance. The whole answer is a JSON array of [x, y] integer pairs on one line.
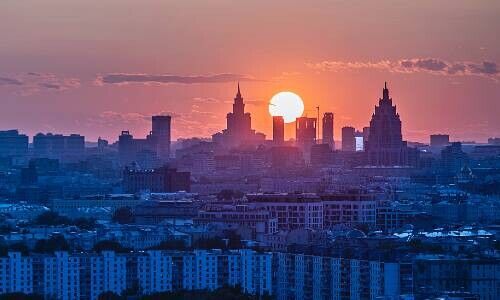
[[152, 79], [434, 66], [26, 84]]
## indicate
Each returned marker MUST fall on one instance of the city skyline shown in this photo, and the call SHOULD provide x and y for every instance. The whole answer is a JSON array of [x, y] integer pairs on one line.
[[97, 77]]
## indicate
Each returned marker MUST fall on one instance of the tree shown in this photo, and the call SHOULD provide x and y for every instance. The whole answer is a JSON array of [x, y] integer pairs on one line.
[[54, 243], [20, 296], [171, 245], [123, 215], [109, 296], [85, 223], [51, 218], [109, 245]]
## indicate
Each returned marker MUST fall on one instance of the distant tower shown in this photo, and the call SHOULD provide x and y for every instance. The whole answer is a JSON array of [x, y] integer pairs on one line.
[[161, 133], [305, 132], [440, 140], [348, 139], [278, 130], [385, 146], [328, 130]]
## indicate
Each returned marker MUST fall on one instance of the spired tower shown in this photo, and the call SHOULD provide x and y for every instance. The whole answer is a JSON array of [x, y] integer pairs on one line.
[[239, 127], [239, 123], [385, 145]]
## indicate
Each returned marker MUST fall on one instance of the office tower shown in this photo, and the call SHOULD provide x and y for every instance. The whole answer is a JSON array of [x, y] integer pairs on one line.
[[366, 133], [161, 133], [453, 158], [359, 140], [239, 127], [328, 130], [305, 132], [278, 130], [440, 140], [58, 146], [321, 155], [13, 144], [160, 180], [348, 139], [385, 146]]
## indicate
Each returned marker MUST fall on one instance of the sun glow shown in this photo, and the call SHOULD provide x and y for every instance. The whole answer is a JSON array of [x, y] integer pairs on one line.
[[286, 104]]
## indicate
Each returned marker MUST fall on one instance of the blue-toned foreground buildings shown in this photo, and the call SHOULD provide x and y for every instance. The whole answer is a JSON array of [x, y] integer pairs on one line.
[[66, 275]]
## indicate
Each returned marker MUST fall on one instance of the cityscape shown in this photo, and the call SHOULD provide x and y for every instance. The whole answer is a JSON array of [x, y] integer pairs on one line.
[[284, 196]]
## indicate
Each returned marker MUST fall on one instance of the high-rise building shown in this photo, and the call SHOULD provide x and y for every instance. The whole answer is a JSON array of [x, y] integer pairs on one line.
[[239, 127], [161, 133], [440, 140], [328, 130], [453, 158], [148, 152], [160, 180], [385, 146], [348, 139], [305, 132], [63, 147], [278, 130], [13, 144]]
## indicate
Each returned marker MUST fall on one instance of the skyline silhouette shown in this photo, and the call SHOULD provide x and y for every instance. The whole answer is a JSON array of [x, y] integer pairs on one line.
[[99, 68]]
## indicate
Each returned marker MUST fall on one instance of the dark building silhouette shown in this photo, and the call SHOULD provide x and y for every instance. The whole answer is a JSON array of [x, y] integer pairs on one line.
[[453, 159], [160, 180], [385, 146], [161, 134], [278, 130], [439, 140], [239, 127], [58, 146], [328, 130], [13, 144], [286, 158], [321, 155], [148, 152], [305, 132], [348, 139]]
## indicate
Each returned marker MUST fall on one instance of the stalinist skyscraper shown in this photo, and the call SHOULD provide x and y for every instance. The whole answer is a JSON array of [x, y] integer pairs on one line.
[[239, 127], [385, 145]]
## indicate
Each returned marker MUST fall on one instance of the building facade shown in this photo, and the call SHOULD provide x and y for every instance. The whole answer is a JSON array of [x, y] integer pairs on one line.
[[385, 145]]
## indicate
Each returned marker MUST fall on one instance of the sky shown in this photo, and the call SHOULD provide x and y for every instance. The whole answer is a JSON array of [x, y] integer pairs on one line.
[[99, 67]]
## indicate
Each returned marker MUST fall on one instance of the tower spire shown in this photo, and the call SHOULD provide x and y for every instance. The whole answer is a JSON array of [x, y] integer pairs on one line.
[[239, 93], [385, 92]]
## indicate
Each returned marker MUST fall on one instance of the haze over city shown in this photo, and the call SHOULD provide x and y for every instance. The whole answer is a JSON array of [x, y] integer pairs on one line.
[[249, 150], [99, 67]]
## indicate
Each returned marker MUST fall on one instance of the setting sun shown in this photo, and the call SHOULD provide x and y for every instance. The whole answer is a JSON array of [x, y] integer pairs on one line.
[[286, 104]]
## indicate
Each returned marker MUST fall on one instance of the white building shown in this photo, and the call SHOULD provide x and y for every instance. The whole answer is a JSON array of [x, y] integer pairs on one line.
[[154, 272], [16, 274], [107, 273]]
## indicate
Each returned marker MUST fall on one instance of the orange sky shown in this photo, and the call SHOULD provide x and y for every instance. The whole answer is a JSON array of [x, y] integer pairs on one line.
[[56, 57]]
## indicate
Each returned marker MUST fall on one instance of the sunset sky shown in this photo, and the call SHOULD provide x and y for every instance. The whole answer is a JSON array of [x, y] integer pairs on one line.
[[97, 67]]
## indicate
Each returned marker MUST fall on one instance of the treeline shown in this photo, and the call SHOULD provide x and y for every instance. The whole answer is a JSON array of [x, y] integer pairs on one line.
[[225, 293]]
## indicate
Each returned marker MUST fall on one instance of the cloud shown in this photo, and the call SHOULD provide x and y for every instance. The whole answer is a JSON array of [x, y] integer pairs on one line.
[[192, 123], [434, 66], [124, 78], [9, 81], [207, 100], [26, 84]]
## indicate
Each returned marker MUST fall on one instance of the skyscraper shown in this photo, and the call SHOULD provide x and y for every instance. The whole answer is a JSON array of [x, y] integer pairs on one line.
[[305, 132], [239, 127], [385, 146], [440, 140], [328, 130], [348, 139], [278, 130], [161, 133]]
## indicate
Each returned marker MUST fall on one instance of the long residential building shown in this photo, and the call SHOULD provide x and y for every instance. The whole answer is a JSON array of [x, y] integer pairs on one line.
[[64, 275], [312, 211]]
